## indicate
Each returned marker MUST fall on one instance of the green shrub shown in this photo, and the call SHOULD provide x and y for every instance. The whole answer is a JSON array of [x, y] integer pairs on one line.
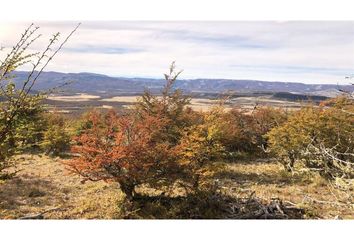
[[56, 139], [322, 138]]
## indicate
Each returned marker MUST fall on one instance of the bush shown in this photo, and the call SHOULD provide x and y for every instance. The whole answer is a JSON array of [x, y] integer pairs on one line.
[[56, 139], [200, 149], [20, 127], [243, 132], [170, 106], [136, 148], [322, 138], [153, 145], [20, 107], [125, 150]]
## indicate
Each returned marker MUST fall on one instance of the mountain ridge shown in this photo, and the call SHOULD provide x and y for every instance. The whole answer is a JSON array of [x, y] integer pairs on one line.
[[86, 82]]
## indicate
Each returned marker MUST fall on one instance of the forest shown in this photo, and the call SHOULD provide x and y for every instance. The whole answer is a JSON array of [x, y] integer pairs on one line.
[[161, 159]]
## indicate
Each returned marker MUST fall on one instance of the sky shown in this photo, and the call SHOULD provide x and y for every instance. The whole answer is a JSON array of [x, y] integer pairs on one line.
[[300, 51]]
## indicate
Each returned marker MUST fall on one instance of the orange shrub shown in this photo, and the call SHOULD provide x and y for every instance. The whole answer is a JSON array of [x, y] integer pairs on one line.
[[126, 150], [244, 132]]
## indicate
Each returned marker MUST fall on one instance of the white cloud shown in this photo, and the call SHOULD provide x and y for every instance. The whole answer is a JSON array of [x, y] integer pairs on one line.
[[310, 52]]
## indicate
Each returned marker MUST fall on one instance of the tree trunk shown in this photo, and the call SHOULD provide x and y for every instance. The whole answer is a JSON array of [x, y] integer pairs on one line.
[[128, 190]]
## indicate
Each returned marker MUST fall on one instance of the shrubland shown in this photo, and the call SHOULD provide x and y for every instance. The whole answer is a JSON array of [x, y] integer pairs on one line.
[[162, 144], [162, 154]]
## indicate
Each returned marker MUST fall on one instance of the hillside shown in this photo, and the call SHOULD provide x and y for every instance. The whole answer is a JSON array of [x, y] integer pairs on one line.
[[105, 85]]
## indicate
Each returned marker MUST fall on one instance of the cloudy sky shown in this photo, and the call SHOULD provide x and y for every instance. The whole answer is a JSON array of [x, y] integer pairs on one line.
[[309, 52]]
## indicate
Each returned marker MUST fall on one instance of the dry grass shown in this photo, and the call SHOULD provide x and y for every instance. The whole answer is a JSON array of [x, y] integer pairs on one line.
[[42, 183], [305, 190]]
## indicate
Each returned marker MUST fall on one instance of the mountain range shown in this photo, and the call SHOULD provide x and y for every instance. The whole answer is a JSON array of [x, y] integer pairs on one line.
[[105, 85]]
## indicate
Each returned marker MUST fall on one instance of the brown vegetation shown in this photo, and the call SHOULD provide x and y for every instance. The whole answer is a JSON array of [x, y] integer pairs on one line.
[[162, 159]]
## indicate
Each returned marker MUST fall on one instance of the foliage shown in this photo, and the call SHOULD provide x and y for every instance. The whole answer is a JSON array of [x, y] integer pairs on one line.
[[24, 129], [265, 119], [162, 143], [125, 150], [200, 148], [149, 145], [320, 137], [20, 108], [171, 105], [241, 131], [56, 139], [136, 148]]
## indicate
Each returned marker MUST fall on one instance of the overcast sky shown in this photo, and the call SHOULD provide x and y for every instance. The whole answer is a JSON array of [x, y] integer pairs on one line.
[[309, 52]]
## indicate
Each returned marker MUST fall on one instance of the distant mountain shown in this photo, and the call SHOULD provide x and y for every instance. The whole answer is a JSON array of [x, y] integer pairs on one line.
[[105, 85]]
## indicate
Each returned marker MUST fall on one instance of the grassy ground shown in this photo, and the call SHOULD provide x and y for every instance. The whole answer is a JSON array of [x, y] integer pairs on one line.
[[43, 184], [268, 180]]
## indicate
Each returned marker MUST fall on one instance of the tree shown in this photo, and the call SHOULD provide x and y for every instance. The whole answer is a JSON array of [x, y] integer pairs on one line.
[[322, 138], [135, 148], [170, 105], [20, 107], [124, 150]]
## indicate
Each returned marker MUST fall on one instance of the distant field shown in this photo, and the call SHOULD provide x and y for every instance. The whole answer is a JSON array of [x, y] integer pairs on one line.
[[74, 98], [122, 99], [80, 102]]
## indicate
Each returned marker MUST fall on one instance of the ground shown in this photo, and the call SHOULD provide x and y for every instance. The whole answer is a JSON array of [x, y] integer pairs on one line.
[[268, 180], [43, 185]]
